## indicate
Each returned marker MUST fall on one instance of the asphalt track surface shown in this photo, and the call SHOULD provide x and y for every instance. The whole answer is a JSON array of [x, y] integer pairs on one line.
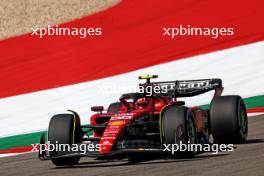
[[247, 159]]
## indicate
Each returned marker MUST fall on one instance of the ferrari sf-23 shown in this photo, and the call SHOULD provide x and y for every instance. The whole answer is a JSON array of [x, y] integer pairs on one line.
[[142, 123]]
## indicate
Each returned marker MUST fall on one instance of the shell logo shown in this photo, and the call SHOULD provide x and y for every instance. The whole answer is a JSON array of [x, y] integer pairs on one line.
[[117, 123]]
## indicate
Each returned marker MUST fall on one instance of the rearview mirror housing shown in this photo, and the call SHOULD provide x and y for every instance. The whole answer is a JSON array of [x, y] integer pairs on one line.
[[97, 108]]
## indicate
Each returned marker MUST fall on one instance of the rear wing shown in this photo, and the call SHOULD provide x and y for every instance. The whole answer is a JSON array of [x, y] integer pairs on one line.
[[188, 88]]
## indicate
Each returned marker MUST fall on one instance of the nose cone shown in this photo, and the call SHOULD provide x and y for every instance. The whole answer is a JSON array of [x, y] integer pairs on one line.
[[111, 134]]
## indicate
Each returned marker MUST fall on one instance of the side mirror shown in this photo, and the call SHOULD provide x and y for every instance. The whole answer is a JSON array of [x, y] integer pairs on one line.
[[97, 108]]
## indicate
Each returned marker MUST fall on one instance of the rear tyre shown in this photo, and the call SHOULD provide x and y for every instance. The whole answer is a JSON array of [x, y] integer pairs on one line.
[[228, 119], [64, 129], [177, 126]]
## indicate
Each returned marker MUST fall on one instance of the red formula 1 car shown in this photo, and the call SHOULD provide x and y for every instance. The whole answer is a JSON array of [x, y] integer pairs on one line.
[[143, 123]]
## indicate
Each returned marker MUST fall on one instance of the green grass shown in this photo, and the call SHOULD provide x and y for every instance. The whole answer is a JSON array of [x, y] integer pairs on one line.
[[20, 140], [251, 102]]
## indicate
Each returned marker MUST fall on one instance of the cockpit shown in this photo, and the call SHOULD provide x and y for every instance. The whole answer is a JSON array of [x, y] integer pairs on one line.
[[139, 101]]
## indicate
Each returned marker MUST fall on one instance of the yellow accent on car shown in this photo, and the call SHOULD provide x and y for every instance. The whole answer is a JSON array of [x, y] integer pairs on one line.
[[73, 133], [117, 123], [148, 77], [160, 123]]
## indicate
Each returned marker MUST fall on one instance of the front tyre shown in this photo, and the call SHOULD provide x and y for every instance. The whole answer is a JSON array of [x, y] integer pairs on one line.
[[64, 129]]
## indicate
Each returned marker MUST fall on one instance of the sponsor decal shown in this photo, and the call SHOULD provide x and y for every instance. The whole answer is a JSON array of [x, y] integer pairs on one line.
[[117, 123]]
